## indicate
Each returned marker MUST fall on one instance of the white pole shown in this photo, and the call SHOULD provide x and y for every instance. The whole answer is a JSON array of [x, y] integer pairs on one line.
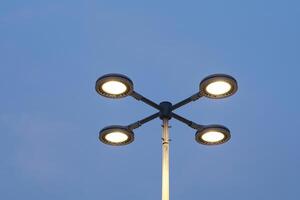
[[165, 160]]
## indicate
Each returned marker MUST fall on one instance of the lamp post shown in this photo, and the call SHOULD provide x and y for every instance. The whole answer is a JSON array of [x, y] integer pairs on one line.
[[116, 86]]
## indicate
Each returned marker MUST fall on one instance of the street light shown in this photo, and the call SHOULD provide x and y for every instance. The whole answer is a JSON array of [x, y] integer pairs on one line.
[[116, 86], [218, 86], [212, 135], [116, 135]]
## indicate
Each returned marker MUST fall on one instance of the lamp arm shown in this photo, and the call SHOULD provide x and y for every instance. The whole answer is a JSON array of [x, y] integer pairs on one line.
[[187, 122], [142, 121], [140, 97], [194, 97]]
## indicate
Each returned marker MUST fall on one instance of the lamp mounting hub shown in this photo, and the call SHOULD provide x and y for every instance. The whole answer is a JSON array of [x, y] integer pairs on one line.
[[165, 110]]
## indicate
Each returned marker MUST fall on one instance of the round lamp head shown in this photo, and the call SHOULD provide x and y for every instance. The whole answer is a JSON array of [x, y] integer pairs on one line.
[[218, 86], [114, 86], [212, 135], [116, 135]]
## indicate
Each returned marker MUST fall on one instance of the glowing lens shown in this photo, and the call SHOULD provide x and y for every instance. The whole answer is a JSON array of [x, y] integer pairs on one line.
[[212, 136], [114, 87], [218, 88], [116, 137]]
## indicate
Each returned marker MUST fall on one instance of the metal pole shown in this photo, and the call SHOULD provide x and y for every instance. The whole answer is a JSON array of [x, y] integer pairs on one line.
[[165, 160]]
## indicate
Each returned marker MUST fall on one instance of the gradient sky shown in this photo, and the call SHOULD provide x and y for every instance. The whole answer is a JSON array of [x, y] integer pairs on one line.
[[52, 52]]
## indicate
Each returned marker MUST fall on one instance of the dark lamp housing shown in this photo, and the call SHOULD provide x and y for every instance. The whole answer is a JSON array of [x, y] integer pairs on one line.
[[218, 86], [116, 135], [212, 135], [114, 86]]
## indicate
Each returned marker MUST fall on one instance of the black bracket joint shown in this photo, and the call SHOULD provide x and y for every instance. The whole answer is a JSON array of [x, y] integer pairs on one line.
[[165, 110]]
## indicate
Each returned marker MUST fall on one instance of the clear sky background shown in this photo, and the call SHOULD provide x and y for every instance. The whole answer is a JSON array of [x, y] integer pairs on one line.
[[52, 52]]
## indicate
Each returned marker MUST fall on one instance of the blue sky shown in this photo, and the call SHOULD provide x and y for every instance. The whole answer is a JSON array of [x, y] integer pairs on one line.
[[52, 52]]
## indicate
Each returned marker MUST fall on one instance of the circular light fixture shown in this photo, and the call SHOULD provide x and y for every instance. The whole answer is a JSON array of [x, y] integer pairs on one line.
[[218, 86], [114, 86], [212, 135], [116, 135]]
